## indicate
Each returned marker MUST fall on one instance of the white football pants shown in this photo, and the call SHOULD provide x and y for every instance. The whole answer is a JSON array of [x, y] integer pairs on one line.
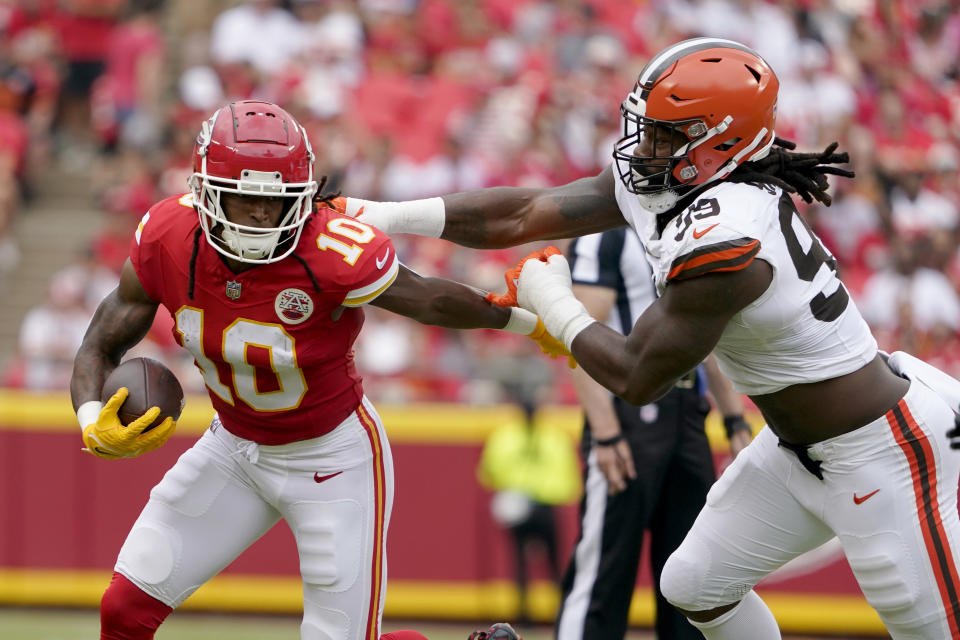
[[889, 494], [335, 492]]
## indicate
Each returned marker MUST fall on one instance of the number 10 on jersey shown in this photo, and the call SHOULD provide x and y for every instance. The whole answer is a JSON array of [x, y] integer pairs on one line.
[[236, 340]]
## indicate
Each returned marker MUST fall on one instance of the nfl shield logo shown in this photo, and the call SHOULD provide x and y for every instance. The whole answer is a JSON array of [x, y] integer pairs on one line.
[[233, 289]]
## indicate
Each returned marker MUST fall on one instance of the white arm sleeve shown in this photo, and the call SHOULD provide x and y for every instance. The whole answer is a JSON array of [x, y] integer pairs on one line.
[[417, 217]]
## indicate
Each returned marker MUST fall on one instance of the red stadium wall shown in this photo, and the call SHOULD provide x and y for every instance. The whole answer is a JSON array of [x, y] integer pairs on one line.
[[64, 515]]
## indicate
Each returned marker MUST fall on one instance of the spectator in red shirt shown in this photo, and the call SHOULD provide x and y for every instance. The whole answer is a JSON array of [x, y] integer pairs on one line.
[[83, 30]]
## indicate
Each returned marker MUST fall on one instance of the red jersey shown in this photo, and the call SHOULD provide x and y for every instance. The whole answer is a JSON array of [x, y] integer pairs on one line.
[[275, 352]]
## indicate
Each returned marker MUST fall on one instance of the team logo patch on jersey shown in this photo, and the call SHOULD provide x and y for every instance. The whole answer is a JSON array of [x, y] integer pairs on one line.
[[293, 306], [233, 289]]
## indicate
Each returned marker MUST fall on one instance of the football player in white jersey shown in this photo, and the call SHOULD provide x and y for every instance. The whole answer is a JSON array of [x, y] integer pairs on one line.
[[855, 444]]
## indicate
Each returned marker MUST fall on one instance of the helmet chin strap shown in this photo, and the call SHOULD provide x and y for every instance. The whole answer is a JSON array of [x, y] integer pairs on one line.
[[247, 245], [659, 202]]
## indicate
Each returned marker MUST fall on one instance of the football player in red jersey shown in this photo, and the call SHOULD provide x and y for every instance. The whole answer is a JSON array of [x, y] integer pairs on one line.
[[857, 445], [265, 288]]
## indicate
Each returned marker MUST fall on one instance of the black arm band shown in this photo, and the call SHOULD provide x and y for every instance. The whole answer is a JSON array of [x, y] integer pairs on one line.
[[609, 442], [732, 424]]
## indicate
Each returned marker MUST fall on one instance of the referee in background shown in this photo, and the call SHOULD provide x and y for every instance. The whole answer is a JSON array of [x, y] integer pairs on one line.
[[647, 468]]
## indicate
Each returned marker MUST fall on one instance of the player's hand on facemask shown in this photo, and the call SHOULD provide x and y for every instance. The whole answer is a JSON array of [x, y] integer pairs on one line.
[[109, 438]]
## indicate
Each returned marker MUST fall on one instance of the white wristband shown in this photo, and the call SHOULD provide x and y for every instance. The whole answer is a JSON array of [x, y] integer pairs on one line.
[[563, 315], [418, 217], [88, 412], [572, 328], [521, 321]]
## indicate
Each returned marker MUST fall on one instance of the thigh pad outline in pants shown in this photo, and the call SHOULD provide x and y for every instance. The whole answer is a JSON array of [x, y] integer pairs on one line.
[[198, 519], [750, 526], [331, 538], [340, 527]]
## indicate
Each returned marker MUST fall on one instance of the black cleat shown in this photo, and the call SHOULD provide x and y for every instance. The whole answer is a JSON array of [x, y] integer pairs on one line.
[[499, 631]]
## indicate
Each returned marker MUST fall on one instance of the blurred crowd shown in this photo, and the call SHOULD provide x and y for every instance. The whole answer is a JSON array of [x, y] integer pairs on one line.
[[414, 98]]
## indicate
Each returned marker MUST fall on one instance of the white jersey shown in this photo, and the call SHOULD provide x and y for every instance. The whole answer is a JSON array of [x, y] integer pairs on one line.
[[804, 328]]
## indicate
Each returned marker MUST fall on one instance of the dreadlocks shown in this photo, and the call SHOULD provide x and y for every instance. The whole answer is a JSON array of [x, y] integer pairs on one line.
[[193, 262], [321, 198], [325, 199], [804, 174]]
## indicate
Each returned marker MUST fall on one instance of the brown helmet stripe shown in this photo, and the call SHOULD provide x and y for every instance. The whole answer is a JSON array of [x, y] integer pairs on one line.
[[665, 59]]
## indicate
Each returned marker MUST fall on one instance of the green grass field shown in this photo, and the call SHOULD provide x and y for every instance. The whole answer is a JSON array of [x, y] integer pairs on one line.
[[83, 624]]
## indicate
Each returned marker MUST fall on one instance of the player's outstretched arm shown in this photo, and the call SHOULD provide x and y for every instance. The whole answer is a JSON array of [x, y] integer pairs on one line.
[[441, 302], [500, 216], [120, 322], [670, 338], [445, 303]]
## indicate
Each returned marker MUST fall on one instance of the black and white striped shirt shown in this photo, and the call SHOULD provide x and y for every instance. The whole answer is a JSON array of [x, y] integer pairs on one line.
[[615, 259]]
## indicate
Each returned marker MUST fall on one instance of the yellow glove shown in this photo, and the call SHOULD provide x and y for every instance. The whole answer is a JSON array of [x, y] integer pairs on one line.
[[550, 345], [109, 438]]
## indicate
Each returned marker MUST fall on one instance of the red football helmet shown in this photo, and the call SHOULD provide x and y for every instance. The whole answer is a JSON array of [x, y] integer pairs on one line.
[[700, 107], [253, 148]]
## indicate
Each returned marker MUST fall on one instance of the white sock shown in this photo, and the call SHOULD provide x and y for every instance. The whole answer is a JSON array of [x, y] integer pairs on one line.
[[749, 620]]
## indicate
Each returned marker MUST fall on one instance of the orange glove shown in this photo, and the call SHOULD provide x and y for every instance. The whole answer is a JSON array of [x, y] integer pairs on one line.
[[509, 299], [550, 345], [339, 204]]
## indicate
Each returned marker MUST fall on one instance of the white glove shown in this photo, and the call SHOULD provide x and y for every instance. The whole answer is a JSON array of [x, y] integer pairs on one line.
[[544, 289]]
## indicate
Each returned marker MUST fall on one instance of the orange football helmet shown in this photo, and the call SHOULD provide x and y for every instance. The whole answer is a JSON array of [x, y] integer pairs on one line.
[[700, 107]]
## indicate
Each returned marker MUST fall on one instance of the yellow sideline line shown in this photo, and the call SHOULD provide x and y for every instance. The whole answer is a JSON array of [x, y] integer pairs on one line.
[[422, 423], [494, 600]]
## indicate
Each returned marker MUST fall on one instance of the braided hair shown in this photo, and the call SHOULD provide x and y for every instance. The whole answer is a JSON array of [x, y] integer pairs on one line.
[[804, 174], [326, 199], [322, 198]]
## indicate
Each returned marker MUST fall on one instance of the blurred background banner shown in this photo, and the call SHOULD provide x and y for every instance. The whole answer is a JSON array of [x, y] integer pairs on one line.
[[448, 557]]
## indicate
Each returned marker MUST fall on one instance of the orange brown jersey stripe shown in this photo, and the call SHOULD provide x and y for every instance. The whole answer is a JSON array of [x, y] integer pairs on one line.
[[916, 447], [730, 255], [380, 491]]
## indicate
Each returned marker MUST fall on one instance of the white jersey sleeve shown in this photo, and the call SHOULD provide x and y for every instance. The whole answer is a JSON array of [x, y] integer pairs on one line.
[[804, 328]]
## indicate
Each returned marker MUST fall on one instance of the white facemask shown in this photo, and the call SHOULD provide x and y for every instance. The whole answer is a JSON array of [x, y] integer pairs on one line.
[[250, 245], [659, 202]]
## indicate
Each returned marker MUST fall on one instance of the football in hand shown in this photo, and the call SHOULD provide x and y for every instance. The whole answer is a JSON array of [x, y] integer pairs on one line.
[[151, 384]]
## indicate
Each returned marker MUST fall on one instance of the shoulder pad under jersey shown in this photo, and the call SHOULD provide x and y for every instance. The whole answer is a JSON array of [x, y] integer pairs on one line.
[[173, 214], [719, 231], [355, 257]]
